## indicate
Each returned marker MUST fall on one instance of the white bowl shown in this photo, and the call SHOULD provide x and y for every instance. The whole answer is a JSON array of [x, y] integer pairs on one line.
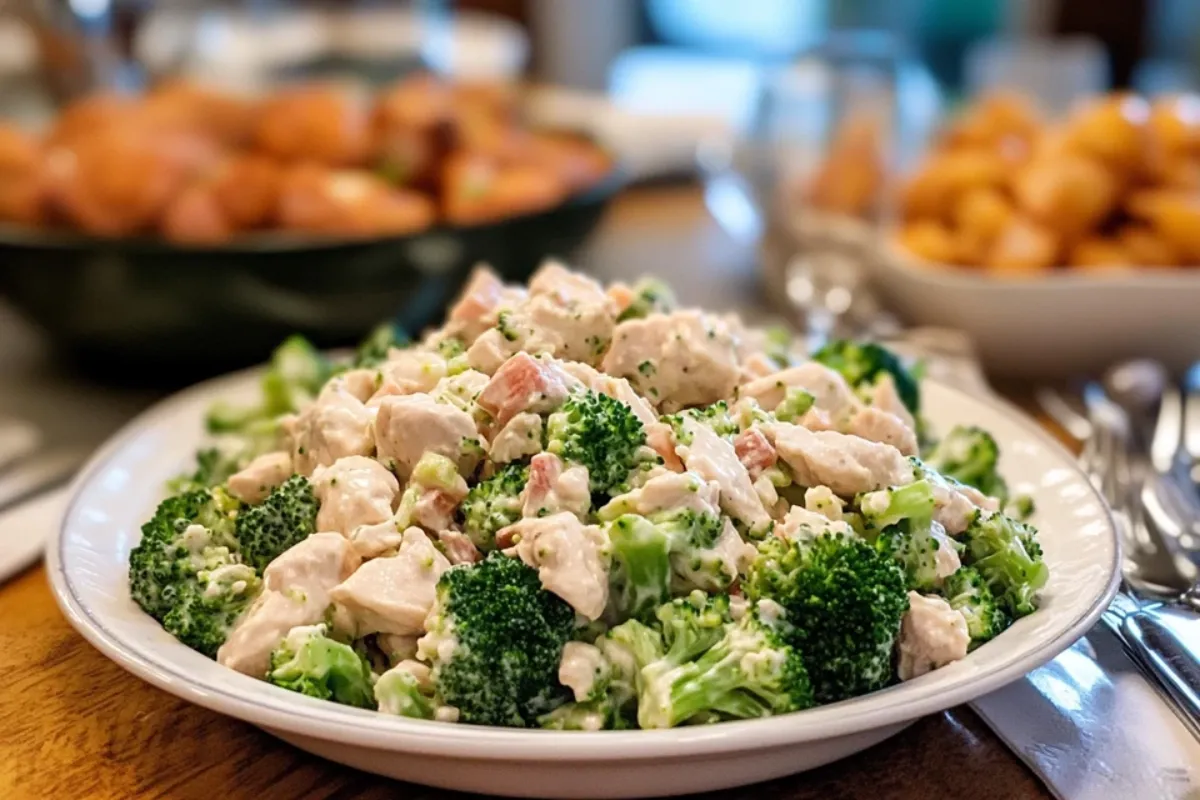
[[1050, 324], [122, 484]]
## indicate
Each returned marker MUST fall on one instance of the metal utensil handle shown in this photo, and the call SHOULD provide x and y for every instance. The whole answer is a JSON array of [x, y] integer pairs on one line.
[[1191, 413], [1153, 634]]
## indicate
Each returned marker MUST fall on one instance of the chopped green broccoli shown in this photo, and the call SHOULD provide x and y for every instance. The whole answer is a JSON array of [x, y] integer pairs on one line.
[[969, 455], [593, 715], [205, 609], [794, 404], [285, 518], [601, 433], [296, 373], [888, 507], [641, 572], [777, 344], [715, 417], [1020, 507], [900, 522], [495, 638], [398, 692], [715, 665], [861, 364], [167, 554], [651, 296], [1008, 557], [311, 663], [450, 347], [373, 350], [967, 593], [844, 600], [493, 504]]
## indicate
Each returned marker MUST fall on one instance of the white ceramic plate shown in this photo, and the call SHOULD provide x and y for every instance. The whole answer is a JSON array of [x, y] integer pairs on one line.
[[122, 484], [1051, 324]]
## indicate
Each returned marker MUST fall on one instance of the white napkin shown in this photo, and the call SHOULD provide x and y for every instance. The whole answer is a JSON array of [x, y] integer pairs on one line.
[[1093, 728], [25, 529]]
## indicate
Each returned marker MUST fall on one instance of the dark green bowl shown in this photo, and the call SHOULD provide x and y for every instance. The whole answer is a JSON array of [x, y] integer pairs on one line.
[[165, 313]]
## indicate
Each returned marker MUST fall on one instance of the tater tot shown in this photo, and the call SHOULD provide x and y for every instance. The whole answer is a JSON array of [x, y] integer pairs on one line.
[[321, 123], [247, 189], [1023, 245], [476, 189], [1176, 218], [1098, 251], [929, 240], [330, 202], [195, 216], [1111, 130], [933, 190], [1147, 248], [88, 116], [578, 163], [191, 107], [982, 213], [994, 117], [1068, 194], [19, 151]]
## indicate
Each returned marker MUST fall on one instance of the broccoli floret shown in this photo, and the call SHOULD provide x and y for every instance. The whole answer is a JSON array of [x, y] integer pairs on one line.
[[844, 600], [967, 593], [861, 364], [794, 404], [969, 455], [286, 517], [601, 433], [493, 504], [1020, 507], [173, 542], [594, 715], [213, 467], [715, 665], [650, 296], [1008, 557], [715, 417], [311, 663], [206, 608], [495, 639], [373, 350], [295, 374], [641, 572], [398, 692], [450, 347], [888, 507]]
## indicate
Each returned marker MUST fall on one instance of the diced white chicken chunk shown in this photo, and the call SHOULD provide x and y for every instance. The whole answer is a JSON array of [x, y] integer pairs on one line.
[[755, 451], [334, 426], [524, 384], [571, 558], [800, 523], [876, 425], [945, 561], [670, 491], [353, 492], [955, 505], [616, 388], [492, 348], [396, 647], [821, 500], [459, 548], [677, 360], [409, 371], [460, 390], [581, 665], [831, 394], [846, 464], [476, 308], [296, 587], [361, 383], [410, 426], [714, 459], [553, 487], [932, 635], [521, 436], [372, 541], [885, 397], [393, 594], [254, 482]]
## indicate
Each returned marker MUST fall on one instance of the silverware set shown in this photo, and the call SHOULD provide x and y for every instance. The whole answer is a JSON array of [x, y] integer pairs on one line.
[[1141, 449]]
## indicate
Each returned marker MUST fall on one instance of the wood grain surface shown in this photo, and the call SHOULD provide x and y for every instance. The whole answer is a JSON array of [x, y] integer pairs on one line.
[[74, 725]]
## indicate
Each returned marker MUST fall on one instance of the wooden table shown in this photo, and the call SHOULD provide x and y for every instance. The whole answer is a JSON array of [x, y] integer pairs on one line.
[[74, 725]]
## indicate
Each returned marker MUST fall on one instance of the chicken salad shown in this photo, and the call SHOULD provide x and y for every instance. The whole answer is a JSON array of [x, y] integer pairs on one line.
[[581, 507]]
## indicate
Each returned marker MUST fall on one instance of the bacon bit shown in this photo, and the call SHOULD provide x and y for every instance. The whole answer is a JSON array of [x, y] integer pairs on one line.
[[755, 452], [519, 385], [662, 441], [459, 547]]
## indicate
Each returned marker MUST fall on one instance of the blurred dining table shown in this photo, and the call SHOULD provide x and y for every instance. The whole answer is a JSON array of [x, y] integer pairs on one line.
[[74, 724]]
